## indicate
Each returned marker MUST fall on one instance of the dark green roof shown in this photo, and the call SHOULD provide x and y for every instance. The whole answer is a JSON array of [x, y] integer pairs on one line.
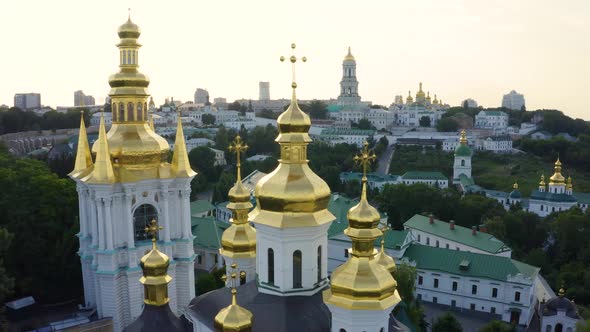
[[372, 177], [339, 206], [393, 239], [515, 194], [467, 263], [482, 241], [415, 175], [207, 232], [201, 206], [463, 151], [583, 198], [553, 197]]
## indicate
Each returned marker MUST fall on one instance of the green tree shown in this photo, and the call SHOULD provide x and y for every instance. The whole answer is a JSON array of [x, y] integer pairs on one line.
[[447, 124], [208, 119], [235, 106], [318, 109], [6, 282], [405, 275], [498, 326], [222, 186], [267, 114], [447, 323], [222, 138], [364, 123], [205, 283], [583, 326], [424, 121], [202, 160]]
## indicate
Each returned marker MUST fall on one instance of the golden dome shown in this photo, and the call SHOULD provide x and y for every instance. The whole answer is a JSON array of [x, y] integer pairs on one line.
[[569, 185], [409, 99], [557, 178], [435, 100], [349, 56], [239, 240], [420, 94], [155, 277], [542, 182], [463, 139], [362, 283], [233, 318], [428, 96], [384, 259], [129, 30], [515, 185], [292, 195]]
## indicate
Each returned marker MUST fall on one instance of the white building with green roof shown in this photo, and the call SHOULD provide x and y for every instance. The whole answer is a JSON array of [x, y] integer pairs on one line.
[[503, 287], [496, 120], [378, 181], [349, 136]]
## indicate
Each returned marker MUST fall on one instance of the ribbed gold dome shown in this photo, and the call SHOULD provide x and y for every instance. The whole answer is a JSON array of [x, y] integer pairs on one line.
[[233, 318], [129, 30], [292, 195]]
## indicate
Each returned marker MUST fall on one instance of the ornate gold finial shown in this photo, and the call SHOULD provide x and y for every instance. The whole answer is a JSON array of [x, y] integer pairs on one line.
[[561, 292], [83, 154], [515, 185], [238, 146], [155, 277], [233, 318], [569, 185], [293, 60], [557, 178], [153, 230]]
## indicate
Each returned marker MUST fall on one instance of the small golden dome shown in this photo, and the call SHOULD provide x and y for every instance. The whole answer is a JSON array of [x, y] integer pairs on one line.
[[542, 182], [463, 139], [349, 56], [569, 185], [557, 178], [515, 185], [294, 121], [155, 277], [384, 259], [233, 318], [409, 99], [129, 30]]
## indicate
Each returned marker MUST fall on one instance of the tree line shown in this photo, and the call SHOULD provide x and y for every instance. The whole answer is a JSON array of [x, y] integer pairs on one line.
[[15, 120]]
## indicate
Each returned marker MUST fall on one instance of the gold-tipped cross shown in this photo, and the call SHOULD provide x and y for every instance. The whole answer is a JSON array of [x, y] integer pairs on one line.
[[293, 59], [153, 229], [365, 157], [238, 146]]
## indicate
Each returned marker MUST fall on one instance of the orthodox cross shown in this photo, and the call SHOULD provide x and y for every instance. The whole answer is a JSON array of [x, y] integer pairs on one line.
[[238, 146], [293, 59], [153, 229], [365, 158]]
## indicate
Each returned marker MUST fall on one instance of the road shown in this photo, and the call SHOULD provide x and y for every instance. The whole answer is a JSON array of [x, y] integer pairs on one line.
[[385, 160]]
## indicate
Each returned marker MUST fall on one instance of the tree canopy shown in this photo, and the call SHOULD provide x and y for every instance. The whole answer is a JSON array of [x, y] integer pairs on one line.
[[16, 120], [447, 323]]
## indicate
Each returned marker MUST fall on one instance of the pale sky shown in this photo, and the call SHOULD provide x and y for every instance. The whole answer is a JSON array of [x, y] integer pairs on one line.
[[458, 49]]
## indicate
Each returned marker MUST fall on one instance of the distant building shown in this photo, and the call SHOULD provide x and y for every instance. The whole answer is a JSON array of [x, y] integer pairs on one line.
[[27, 101], [559, 314], [220, 102], [219, 157], [471, 103], [201, 97], [379, 118], [498, 143], [349, 85], [541, 135], [398, 100], [436, 179], [377, 181], [80, 99], [349, 136], [513, 101], [264, 91], [197, 142], [491, 120]]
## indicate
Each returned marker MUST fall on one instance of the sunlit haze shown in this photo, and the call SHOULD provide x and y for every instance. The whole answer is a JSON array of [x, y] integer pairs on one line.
[[478, 49]]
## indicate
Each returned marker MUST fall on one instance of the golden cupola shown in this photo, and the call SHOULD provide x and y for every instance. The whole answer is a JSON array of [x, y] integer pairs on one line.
[[155, 271], [136, 150], [569, 186], [349, 56], [420, 95], [409, 100], [362, 283], [239, 240], [292, 195], [233, 318], [557, 179], [428, 99], [83, 162], [382, 257], [435, 100], [542, 183]]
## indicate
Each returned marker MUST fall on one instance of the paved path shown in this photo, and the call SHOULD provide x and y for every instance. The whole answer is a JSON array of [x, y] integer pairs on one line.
[[385, 160]]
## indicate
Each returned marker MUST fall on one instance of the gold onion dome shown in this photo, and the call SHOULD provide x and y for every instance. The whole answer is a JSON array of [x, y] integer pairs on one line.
[[435, 100], [362, 283], [292, 195], [239, 240], [569, 185], [428, 96], [542, 182], [349, 56], [557, 178], [383, 258], [233, 318], [420, 93], [137, 151], [155, 271], [409, 99]]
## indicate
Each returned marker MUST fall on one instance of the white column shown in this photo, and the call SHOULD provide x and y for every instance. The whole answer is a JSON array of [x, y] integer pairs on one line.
[[82, 212], [100, 221], [129, 221], [93, 219], [186, 214], [109, 223], [165, 215]]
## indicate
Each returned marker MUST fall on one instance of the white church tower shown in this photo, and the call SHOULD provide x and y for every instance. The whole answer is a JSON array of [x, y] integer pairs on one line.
[[129, 184], [462, 165], [291, 215], [349, 95]]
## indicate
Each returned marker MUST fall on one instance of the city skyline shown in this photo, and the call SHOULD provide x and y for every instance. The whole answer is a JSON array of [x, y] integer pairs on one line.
[[458, 49]]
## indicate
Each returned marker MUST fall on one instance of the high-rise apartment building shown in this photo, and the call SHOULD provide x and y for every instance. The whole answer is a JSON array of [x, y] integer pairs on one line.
[[264, 91], [513, 101], [201, 96], [81, 99], [27, 101]]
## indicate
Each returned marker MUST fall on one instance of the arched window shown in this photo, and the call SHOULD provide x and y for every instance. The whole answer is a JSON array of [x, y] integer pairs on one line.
[[462, 162], [342, 330], [319, 263], [139, 112], [271, 266], [142, 216], [114, 110], [548, 328], [130, 116], [559, 327], [297, 269]]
